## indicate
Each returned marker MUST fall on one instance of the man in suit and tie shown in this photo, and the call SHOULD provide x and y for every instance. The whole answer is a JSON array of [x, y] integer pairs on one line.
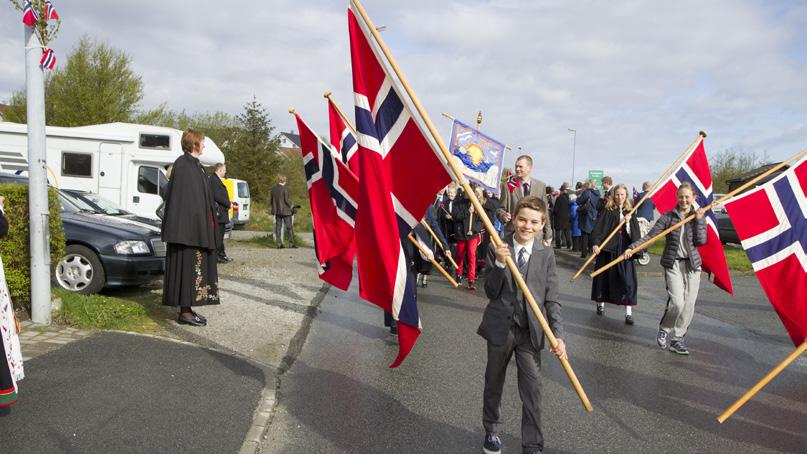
[[222, 200], [528, 186], [282, 210], [509, 326]]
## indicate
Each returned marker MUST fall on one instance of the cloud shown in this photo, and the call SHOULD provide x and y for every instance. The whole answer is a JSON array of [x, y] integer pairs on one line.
[[637, 80]]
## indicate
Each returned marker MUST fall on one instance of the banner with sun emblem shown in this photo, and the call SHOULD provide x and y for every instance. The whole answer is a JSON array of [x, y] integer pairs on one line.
[[479, 156]]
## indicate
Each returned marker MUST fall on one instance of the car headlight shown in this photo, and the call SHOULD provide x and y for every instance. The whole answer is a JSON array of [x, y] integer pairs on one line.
[[131, 247]]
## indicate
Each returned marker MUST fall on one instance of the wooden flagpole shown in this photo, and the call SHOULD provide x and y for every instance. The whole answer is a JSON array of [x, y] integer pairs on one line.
[[511, 265], [731, 194], [664, 175], [434, 262], [339, 111], [439, 243], [756, 388]]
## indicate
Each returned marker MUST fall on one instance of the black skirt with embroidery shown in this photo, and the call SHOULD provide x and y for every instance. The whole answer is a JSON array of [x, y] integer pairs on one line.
[[618, 284], [191, 276]]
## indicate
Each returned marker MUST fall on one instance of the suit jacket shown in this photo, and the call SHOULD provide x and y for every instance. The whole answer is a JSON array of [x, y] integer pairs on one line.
[[503, 293], [509, 202], [222, 199], [280, 200]]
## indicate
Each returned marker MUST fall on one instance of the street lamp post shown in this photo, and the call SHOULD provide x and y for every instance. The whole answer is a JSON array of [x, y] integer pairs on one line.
[[574, 149]]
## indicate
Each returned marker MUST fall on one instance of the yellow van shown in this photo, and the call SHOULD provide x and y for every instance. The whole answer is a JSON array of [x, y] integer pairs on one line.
[[238, 190]]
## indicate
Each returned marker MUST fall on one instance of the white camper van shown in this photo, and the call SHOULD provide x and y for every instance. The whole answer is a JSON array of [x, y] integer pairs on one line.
[[122, 162]]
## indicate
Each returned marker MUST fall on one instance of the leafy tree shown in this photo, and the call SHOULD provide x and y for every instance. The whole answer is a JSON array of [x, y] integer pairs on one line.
[[96, 85], [732, 163], [251, 152]]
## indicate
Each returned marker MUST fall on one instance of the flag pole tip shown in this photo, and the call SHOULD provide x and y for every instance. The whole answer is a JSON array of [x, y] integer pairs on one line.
[[703, 134], [327, 94], [292, 110]]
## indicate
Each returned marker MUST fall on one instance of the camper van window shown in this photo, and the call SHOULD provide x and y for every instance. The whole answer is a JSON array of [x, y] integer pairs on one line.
[[77, 165], [157, 141], [151, 180]]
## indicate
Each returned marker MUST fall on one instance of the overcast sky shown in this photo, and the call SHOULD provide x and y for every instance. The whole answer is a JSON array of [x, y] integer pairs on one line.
[[637, 79]]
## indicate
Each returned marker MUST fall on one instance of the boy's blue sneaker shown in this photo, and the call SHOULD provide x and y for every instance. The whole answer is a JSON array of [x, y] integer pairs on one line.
[[677, 346], [493, 445]]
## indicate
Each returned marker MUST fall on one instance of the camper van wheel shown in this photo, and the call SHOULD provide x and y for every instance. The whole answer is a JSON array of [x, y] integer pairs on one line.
[[80, 270]]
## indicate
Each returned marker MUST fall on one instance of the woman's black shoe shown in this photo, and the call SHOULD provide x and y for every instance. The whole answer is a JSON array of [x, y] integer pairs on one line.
[[200, 316], [600, 310], [194, 321], [629, 320]]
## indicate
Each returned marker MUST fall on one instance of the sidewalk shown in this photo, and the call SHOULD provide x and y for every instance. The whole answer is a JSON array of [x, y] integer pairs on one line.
[[195, 389]]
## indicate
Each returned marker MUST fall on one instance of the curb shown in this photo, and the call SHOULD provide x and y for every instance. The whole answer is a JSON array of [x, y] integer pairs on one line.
[[262, 419]]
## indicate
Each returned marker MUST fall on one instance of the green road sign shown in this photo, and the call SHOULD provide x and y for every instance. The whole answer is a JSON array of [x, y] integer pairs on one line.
[[596, 175]]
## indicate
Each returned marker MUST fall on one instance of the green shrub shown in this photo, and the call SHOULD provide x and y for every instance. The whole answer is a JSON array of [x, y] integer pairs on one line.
[[15, 248]]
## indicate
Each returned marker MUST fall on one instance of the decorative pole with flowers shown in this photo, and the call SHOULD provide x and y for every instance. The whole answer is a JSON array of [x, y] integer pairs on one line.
[[41, 23]]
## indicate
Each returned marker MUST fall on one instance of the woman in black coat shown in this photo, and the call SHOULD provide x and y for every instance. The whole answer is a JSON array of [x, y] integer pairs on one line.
[[191, 277], [562, 214], [618, 284]]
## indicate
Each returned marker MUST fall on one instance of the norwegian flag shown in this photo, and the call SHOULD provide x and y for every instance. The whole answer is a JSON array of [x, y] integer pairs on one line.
[[695, 169], [400, 174], [29, 14], [332, 190], [342, 139], [771, 221], [512, 181], [48, 60], [50, 11]]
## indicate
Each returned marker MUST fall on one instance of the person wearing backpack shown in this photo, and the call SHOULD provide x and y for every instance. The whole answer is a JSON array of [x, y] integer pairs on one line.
[[587, 215]]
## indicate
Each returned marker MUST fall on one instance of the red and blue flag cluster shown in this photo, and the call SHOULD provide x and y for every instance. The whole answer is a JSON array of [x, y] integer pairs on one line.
[[30, 17]]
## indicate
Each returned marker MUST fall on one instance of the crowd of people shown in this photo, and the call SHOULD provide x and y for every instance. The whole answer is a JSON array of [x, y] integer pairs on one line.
[[531, 219]]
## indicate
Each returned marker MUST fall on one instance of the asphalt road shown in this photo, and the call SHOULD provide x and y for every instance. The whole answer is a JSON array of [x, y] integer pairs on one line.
[[339, 396], [119, 393]]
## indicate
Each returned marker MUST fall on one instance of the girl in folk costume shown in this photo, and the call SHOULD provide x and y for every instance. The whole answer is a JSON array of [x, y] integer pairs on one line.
[[618, 284], [191, 276], [11, 369]]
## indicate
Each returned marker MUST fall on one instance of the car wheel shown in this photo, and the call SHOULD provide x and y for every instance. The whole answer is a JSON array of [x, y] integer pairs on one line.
[[80, 270], [644, 259]]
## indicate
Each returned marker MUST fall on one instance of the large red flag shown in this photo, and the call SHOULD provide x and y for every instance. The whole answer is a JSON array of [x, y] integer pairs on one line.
[[333, 190], [771, 221], [695, 169], [400, 174], [342, 139]]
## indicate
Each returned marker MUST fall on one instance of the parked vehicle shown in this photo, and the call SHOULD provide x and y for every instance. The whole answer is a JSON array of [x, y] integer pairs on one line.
[[103, 206], [103, 250], [725, 229], [238, 190], [122, 162]]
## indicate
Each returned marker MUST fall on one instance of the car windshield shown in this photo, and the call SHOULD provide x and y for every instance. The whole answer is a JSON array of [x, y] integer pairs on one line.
[[100, 204], [75, 204]]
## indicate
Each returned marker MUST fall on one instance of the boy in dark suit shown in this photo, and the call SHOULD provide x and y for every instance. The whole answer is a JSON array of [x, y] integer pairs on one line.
[[509, 326]]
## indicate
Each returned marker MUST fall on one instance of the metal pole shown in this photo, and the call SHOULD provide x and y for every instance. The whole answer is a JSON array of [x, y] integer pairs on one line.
[[37, 180], [574, 149]]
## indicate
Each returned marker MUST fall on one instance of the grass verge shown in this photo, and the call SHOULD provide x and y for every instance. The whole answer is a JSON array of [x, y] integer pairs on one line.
[[735, 256], [260, 220], [126, 310], [268, 241]]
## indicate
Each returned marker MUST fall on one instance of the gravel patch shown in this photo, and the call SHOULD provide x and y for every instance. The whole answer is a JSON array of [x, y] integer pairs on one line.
[[266, 295]]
